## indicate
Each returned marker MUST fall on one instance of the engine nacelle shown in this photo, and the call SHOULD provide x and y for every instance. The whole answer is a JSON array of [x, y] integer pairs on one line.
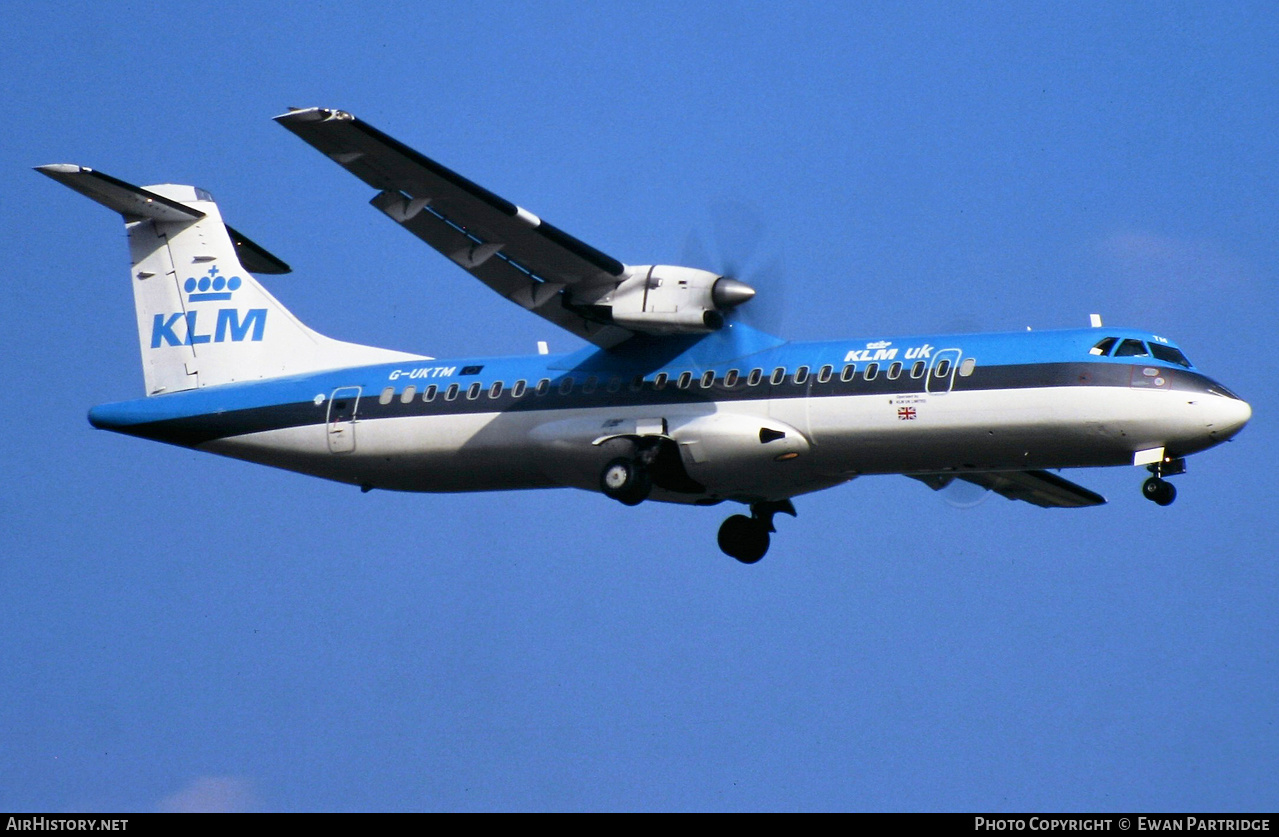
[[665, 299]]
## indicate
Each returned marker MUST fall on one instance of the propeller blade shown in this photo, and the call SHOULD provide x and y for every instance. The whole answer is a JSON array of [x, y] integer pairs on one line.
[[751, 289]]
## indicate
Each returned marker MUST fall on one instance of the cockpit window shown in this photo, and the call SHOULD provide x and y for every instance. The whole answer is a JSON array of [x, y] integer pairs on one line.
[[1168, 354], [1104, 347], [1132, 348]]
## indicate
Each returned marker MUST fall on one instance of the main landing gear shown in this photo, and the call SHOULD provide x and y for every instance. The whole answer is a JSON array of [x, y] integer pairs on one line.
[[629, 480], [746, 538], [1159, 490], [626, 480]]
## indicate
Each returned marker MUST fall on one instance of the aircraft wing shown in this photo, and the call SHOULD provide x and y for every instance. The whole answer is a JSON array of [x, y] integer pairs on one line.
[[506, 247], [1041, 488]]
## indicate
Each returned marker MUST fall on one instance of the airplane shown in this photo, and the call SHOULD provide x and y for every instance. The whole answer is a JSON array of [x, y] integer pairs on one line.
[[674, 399]]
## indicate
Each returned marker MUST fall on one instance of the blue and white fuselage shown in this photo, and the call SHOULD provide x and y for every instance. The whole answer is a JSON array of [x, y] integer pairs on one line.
[[674, 400], [940, 404]]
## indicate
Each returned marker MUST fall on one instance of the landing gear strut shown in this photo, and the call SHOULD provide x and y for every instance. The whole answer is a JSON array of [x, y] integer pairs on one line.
[[746, 538], [1159, 490]]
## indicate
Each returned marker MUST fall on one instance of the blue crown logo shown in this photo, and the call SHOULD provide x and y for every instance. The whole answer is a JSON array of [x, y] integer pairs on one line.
[[211, 287]]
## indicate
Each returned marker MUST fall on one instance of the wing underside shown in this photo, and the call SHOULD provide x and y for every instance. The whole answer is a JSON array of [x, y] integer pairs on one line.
[[508, 248], [1040, 488]]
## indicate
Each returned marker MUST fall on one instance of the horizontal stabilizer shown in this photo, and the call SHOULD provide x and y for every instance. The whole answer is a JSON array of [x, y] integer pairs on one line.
[[136, 203], [1040, 488], [252, 256], [129, 200]]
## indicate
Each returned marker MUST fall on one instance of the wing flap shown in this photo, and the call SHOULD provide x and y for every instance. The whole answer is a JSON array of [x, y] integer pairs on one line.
[[1040, 488], [484, 262], [520, 256]]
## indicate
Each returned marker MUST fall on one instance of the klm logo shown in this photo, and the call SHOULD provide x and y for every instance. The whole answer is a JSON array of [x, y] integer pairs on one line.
[[183, 328], [211, 287]]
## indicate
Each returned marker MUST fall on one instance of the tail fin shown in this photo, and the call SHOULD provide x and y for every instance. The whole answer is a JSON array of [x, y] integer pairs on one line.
[[202, 317]]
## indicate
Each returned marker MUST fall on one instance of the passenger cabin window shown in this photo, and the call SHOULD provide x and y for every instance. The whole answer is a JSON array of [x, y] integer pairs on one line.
[[637, 383], [590, 384], [566, 386], [428, 394], [1132, 348], [408, 394], [495, 390], [849, 372], [386, 396], [660, 381], [779, 375], [708, 378], [801, 374], [614, 384], [451, 392], [685, 378], [872, 371], [755, 377], [473, 391], [1103, 348], [518, 390], [895, 370], [917, 369], [730, 378], [966, 368], [1169, 355], [543, 386], [942, 369], [823, 374]]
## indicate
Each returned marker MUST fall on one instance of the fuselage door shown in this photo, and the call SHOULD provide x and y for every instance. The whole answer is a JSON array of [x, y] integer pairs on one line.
[[941, 374], [340, 427]]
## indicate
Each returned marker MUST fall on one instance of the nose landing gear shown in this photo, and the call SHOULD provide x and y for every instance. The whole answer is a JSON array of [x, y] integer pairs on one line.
[[1159, 490], [747, 538]]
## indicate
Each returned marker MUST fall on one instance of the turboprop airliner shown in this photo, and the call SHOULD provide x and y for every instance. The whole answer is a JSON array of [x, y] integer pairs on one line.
[[674, 399]]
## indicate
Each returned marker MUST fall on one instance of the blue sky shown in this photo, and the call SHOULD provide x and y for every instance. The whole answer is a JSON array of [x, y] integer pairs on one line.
[[181, 631]]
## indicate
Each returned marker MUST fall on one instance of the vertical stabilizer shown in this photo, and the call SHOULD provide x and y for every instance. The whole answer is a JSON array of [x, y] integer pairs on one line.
[[203, 319]]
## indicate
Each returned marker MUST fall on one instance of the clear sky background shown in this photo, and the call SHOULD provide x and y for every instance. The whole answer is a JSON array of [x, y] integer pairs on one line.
[[181, 631]]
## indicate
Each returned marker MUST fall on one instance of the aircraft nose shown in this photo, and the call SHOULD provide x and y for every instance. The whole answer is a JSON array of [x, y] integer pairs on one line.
[[1228, 417]]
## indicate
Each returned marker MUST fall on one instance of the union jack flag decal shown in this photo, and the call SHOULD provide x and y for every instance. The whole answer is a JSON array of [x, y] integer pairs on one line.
[[906, 413]]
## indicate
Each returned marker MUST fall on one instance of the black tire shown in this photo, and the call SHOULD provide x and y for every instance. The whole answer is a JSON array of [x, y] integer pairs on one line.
[[744, 538], [625, 481], [1159, 491]]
